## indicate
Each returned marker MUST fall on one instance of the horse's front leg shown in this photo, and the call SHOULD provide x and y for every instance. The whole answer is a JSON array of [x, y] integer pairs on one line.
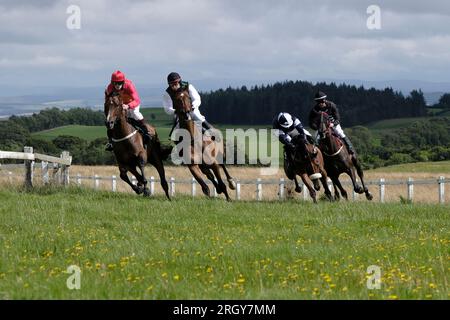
[[196, 172], [306, 182], [352, 174], [298, 187], [324, 181], [124, 177], [360, 172]]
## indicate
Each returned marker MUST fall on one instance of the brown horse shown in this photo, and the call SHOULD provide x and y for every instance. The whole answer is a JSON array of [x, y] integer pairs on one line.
[[128, 147], [202, 163], [338, 160], [309, 168]]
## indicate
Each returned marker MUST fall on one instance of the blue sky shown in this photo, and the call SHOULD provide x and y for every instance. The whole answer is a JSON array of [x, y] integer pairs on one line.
[[207, 40]]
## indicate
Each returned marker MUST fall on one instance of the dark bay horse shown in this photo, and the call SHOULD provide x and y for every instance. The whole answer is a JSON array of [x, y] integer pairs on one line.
[[128, 147], [338, 160], [309, 169], [210, 166]]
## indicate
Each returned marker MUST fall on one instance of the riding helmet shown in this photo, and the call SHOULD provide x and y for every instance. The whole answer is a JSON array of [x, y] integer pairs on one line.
[[320, 96], [285, 120], [173, 77]]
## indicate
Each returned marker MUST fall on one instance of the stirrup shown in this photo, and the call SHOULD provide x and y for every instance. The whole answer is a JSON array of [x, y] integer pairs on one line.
[[109, 147]]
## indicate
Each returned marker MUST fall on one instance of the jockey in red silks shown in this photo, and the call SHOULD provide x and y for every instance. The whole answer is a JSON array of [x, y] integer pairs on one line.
[[131, 103]]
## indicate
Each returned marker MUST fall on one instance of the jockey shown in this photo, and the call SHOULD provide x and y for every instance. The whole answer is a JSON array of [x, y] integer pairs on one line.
[[330, 108], [176, 84], [286, 128], [131, 103]]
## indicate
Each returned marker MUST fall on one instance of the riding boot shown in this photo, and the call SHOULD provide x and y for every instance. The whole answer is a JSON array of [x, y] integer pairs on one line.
[[206, 126], [348, 144], [303, 150], [109, 145], [142, 125]]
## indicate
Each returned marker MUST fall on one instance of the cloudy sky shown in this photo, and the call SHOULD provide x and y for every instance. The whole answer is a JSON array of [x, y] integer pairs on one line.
[[222, 40]]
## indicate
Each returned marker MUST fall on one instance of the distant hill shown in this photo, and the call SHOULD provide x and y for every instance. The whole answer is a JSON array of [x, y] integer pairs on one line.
[[26, 100]]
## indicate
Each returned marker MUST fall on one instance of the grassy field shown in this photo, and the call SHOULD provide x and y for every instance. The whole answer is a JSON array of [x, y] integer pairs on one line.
[[132, 247], [418, 167], [88, 133]]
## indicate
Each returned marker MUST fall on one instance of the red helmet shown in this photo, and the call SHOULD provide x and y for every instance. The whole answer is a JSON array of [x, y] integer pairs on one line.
[[117, 76]]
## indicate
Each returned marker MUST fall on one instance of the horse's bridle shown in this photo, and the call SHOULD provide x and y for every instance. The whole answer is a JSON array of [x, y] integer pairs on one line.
[[112, 95]]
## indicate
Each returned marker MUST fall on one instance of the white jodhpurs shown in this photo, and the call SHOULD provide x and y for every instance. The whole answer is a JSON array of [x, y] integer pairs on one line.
[[135, 113], [336, 129]]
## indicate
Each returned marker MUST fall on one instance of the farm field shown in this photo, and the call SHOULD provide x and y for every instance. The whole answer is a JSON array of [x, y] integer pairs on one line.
[[130, 247]]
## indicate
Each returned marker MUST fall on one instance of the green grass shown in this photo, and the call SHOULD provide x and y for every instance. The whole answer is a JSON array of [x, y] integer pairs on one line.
[[88, 133], [393, 123], [429, 167], [131, 247]]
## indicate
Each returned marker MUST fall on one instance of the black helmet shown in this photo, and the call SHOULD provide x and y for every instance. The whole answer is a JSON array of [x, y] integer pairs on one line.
[[320, 96], [173, 77]]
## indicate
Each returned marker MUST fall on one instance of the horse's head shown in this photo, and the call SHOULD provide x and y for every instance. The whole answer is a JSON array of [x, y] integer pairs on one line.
[[182, 104], [324, 125], [114, 110]]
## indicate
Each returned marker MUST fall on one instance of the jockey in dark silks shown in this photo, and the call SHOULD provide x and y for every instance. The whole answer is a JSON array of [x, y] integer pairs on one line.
[[287, 128], [323, 105]]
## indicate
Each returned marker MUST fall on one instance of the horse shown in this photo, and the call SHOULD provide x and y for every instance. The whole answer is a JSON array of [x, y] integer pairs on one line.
[[309, 168], [338, 160], [209, 167], [129, 149]]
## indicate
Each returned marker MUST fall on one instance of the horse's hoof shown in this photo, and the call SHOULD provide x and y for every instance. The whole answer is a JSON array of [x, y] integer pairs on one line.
[[147, 192], [206, 192], [369, 196], [298, 189], [359, 190], [337, 198], [232, 184]]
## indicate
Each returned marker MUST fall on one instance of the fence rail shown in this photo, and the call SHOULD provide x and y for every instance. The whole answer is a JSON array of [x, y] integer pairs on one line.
[[63, 162], [60, 174]]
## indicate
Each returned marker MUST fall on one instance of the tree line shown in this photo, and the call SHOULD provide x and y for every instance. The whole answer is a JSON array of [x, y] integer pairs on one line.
[[357, 105]]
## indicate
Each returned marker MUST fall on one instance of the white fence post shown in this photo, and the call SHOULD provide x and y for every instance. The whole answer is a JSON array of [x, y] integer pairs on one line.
[[410, 189], [382, 190], [441, 189], [214, 191], [152, 185], [114, 183], [65, 169], [96, 182], [172, 186], [55, 173], [193, 186], [258, 189], [78, 179], [10, 177], [45, 177], [238, 190], [281, 189], [354, 195], [29, 167], [305, 192]]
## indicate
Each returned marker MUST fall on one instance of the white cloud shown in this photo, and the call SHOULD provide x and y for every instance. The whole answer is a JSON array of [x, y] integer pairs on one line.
[[252, 40]]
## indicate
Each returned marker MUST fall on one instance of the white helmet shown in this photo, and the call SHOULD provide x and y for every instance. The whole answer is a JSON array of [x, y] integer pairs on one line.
[[285, 120]]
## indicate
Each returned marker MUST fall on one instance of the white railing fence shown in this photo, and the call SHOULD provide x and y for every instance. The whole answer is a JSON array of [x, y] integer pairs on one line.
[[281, 184], [60, 166], [54, 169]]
